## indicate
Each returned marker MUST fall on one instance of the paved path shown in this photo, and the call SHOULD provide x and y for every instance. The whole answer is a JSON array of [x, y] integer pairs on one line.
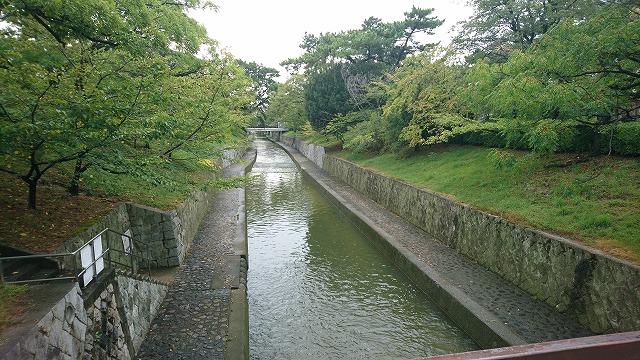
[[204, 314], [505, 307]]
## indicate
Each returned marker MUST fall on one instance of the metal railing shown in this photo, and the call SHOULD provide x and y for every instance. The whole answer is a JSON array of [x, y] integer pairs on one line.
[[88, 261]]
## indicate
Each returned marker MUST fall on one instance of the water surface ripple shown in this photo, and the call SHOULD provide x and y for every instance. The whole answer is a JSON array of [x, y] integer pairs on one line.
[[318, 289]]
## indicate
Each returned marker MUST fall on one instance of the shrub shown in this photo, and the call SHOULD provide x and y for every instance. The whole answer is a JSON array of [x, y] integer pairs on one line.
[[367, 136], [624, 136], [488, 134]]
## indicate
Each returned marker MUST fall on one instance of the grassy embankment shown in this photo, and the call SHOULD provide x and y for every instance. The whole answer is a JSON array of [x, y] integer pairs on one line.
[[596, 202]]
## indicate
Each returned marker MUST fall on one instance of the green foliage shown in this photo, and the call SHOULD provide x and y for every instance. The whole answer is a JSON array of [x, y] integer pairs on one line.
[[367, 136], [340, 66], [423, 91], [563, 76], [140, 27], [263, 84], [341, 124], [233, 182], [288, 105], [93, 84], [8, 305], [548, 136], [498, 27], [487, 134], [326, 96], [624, 138], [385, 44], [502, 159]]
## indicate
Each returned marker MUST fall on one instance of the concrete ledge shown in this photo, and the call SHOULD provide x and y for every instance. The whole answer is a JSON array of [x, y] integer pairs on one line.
[[237, 347]]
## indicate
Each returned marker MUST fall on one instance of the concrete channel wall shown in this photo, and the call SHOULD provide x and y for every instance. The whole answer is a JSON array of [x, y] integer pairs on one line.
[[601, 292]]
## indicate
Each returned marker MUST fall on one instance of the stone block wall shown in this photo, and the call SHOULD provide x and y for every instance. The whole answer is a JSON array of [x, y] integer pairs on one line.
[[189, 216], [163, 236], [117, 220], [168, 234], [156, 234], [312, 152], [107, 320], [105, 337], [601, 292], [141, 298], [60, 334]]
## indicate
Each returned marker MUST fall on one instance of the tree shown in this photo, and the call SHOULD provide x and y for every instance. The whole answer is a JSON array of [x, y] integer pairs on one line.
[[340, 65], [584, 71], [385, 44], [287, 105], [263, 84], [500, 27], [79, 79], [422, 107], [153, 25], [61, 103], [326, 96], [205, 107]]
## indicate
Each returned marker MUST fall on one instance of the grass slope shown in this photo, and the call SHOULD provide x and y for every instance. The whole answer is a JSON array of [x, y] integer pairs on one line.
[[597, 202]]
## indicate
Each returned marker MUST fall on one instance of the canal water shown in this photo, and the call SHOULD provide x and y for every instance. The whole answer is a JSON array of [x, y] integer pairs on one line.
[[318, 289]]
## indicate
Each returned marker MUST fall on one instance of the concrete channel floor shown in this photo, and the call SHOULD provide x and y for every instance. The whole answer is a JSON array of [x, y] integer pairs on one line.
[[525, 319], [204, 315]]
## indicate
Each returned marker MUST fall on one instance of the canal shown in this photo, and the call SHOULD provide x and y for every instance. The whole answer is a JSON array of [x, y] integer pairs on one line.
[[319, 289]]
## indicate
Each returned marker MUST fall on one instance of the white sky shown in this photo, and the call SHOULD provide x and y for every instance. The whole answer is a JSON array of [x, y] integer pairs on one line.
[[269, 32]]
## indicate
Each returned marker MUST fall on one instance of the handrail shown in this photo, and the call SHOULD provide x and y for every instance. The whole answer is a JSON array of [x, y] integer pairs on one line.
[[79, 274]]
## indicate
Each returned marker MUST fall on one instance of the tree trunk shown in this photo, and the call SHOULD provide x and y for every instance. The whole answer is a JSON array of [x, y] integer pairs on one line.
[[74, 186], [33, 185], [597, 138], [595, 145]]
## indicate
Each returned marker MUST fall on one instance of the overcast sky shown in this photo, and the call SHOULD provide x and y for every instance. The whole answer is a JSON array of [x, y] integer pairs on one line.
[[269, 32]]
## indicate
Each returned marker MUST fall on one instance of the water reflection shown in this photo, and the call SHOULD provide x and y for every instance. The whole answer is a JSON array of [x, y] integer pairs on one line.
[[318, 289]]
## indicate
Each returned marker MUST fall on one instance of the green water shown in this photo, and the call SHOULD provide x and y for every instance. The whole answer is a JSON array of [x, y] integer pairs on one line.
[[318, 289]]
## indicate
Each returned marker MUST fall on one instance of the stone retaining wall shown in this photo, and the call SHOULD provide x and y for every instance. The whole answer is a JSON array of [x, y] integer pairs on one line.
[[599, 291], [107, 336], [117, 220], [141, 298], [58, 335], [312, 152], [163, 236], [107, 320]]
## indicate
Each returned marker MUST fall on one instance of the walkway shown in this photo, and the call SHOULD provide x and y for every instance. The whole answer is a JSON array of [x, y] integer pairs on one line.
[[506, 308], [204, 315]]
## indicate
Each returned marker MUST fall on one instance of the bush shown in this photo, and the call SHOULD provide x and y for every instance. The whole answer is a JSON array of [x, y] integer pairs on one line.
[[552, 136], [624, 136], [367, 136], [488, 134]]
